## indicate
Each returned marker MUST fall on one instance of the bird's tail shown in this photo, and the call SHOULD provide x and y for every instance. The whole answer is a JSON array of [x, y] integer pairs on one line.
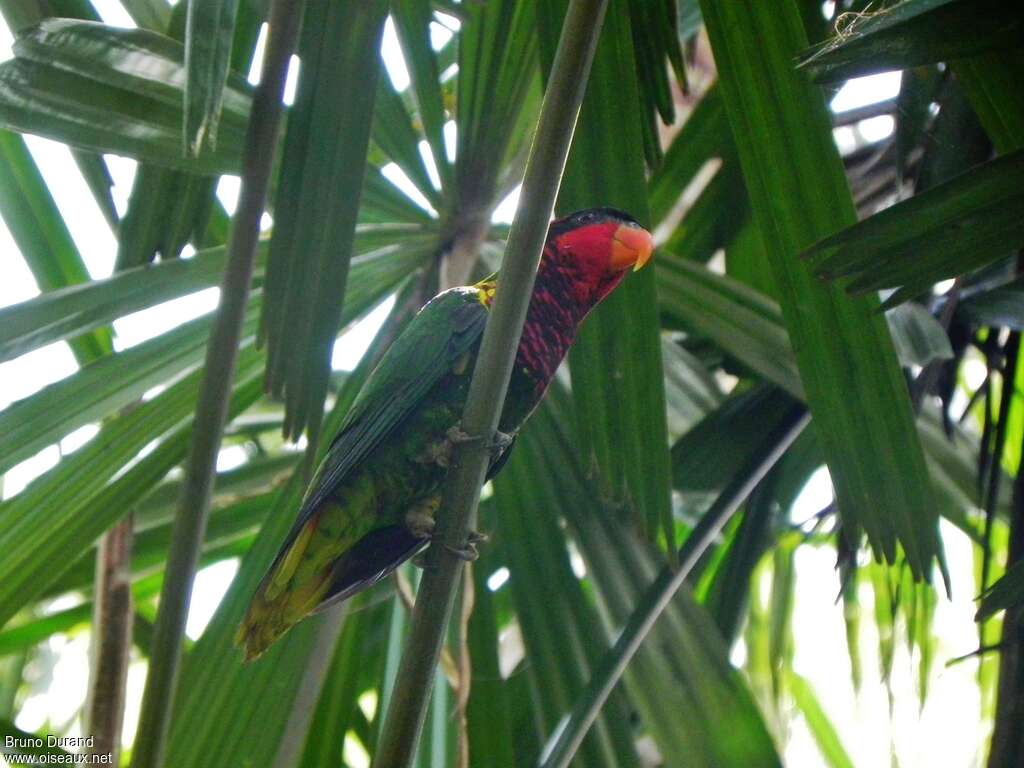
[[281, 600]]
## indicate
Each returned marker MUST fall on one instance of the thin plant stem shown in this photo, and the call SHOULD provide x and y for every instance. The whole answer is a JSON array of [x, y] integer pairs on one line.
[[569, 734], [1007, 748], [562, 100], [995, 466], [111, 641], [211, 410]]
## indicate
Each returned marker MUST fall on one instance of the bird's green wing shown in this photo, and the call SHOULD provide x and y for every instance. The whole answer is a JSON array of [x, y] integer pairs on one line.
[[440, 334]]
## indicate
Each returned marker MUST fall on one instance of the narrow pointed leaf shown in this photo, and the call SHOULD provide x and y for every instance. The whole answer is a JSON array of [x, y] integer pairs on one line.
[[736, 317], [60, 314], [729, 437], [728, 592], [114, 381], [135, 60], [818, 722], [383, 203], [233, 527], [209, 33], [215, 686], [25, 635], [691, 391], [1005, 593], [412, 23], [798, 192], [339, 699], [166, 210], [149, 14], [96, 174], [317, 203], [615, 363], [704, 135], [256, 477], [703, 687], [46, 523], [559, 628], [748, 326], [675, 689], [114, 91], [39, 231], [991, 84], [497, 58], [704, 230], [946, 231], [912, 33], [489, 724], [100, 389], [395, 134]]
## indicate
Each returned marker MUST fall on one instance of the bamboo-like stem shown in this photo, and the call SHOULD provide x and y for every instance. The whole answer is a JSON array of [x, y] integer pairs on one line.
[[465, 670], [569, 734], [111, 641], [211, 410], [397, 745]]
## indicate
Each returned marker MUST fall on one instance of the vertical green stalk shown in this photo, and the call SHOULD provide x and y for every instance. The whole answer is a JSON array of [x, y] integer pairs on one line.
[[211, 411], [555, 127]]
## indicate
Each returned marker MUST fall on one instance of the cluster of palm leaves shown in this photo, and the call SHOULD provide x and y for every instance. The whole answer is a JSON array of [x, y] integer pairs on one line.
[[790, 279]]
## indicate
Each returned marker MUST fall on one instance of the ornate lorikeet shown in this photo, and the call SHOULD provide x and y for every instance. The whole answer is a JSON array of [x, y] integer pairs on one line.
[[372, 501]]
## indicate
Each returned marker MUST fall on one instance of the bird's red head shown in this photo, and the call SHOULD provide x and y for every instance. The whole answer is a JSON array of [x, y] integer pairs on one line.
[[586, 255], [594, 248]]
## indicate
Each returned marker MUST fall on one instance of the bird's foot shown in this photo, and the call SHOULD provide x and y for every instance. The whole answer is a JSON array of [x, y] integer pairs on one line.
[[420, 518], [440, 453], [468, 551], [499, 442], [457, 435], [437, 453]]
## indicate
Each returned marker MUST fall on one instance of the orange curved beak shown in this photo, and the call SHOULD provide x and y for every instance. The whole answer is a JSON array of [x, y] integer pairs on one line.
[[632, 246]]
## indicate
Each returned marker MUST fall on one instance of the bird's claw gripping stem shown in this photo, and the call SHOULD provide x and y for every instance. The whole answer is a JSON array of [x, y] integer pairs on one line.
[[498, 443], [420, 519], [457, 435], [468, 552]]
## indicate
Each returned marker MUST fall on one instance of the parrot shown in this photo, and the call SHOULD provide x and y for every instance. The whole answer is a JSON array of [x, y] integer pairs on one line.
[[371, 504]]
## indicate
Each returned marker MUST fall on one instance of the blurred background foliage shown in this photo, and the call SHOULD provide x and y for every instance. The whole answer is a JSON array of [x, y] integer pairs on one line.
[[862, 263]]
